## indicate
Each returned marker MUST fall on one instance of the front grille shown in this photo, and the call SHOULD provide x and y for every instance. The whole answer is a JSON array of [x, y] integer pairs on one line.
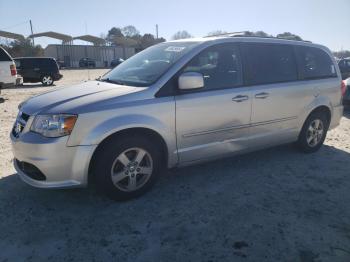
[[20, 123], [30, 170]]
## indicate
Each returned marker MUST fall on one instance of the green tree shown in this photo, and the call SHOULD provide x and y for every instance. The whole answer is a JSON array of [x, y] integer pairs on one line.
[[24, 48], [257, 33], [289, 36], [113, 33]]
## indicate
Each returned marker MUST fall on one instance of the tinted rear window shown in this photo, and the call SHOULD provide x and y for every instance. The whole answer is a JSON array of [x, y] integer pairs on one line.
[[46, 63], [314, 63], [25, 63], [269, 63], [4, 56]]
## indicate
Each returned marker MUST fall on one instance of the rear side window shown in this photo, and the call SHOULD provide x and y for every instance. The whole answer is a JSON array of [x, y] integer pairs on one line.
[[4, 56], [269, 63], [314, 63], [48, 63], [26, 63]]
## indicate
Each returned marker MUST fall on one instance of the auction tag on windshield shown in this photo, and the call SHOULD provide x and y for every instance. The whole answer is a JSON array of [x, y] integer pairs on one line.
[[175, 48]]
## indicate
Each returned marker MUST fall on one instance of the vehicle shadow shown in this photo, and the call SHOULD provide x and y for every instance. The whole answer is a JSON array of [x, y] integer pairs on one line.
[[271, 205]]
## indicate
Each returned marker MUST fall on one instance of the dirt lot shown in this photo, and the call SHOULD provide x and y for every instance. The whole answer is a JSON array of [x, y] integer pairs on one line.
[[272, 205]]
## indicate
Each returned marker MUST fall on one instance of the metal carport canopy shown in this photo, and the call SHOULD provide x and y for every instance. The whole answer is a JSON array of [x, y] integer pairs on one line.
[[92, 39], [12, 35], [63, 37]]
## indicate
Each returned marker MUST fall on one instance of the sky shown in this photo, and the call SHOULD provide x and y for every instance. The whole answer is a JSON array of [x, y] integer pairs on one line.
[[325, 22]]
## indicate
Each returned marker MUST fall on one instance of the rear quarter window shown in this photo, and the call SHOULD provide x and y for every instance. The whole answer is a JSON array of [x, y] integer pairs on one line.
[[4, 56], [314, 63]]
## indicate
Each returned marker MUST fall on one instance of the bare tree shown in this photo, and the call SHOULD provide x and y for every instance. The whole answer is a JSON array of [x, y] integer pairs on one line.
[[181, 35], [130, 31], [216, 32]]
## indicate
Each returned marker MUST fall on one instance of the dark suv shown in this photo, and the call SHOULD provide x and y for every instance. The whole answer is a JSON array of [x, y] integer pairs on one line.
[[87, 62], [38, 69], [344, 66]]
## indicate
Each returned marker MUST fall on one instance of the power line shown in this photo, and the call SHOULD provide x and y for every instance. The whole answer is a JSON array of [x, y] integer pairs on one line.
[[12, 26]]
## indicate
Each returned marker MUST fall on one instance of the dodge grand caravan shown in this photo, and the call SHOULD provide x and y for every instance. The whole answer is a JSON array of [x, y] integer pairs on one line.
[[175, 104]]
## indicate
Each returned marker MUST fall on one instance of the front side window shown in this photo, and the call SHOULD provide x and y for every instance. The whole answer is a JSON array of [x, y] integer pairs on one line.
[[269, 63], [146, 67], [220, 66], [314, 63]]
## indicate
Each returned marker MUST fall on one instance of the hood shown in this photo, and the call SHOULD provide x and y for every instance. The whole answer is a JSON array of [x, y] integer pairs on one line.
[[65, 100]]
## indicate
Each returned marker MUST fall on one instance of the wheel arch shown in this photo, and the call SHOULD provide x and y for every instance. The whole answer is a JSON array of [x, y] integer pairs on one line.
[[322, 109], [135, 131]]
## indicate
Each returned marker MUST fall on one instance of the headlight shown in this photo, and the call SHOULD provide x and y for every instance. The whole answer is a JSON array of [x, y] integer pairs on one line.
[[53, 125]]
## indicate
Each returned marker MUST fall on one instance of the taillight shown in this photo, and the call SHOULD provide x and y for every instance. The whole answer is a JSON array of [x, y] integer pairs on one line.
[[13, 70], [343, 87]]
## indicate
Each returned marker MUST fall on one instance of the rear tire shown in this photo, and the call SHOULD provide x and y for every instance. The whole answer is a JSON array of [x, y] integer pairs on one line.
[[127, 167], [313, 133], [47, 80]]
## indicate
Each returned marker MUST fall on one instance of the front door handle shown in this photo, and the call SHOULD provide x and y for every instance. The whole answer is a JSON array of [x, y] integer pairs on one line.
[[36, 69], [262, 95], [240, 98]]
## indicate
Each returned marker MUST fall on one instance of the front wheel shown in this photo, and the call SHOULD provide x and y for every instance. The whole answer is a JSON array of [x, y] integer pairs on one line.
[[47, 80], [313, 133], [127, 167]]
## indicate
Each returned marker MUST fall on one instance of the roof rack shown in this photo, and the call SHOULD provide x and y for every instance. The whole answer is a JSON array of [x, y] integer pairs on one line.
[[231, 34], [246, 34]]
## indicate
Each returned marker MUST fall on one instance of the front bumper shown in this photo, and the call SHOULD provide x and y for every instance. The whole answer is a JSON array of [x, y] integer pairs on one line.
[[63, 166]]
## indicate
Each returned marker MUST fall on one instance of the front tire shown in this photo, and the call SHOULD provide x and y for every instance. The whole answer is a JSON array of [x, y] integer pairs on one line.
[[127, 167], [313, 133], [47, 80]]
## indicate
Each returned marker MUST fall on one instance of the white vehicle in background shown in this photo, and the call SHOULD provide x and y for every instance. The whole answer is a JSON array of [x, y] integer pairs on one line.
[[8, 72]]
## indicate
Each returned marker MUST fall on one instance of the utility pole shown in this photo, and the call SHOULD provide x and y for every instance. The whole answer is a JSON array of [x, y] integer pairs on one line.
[[31, 29], [157, 31]]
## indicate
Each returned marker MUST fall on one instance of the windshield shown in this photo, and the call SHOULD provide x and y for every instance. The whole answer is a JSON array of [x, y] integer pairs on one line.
[[146, 67]]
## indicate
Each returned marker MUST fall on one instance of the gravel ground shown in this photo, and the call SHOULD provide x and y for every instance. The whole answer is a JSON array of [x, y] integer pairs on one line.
[[272, 205]]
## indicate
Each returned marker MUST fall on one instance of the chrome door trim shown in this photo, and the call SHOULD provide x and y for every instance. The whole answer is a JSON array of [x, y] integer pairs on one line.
[[239, 127]]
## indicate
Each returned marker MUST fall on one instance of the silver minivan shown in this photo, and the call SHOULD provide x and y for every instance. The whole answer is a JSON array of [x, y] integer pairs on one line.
[[174, 104]]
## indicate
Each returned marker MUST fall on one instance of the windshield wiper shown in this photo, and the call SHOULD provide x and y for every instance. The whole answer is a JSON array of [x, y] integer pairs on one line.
[[111, 81]]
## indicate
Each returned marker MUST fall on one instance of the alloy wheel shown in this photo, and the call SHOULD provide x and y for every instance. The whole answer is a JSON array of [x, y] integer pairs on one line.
[[47, 80], [315, 132], [132, 169]]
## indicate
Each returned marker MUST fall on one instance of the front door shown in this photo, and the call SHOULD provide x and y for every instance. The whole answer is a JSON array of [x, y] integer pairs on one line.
[[214, 120]]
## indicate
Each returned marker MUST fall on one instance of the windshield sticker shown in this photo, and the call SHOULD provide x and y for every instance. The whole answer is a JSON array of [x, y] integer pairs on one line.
[[174, 48]]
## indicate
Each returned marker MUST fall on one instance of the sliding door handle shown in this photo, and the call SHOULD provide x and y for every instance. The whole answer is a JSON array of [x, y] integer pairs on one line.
[[262, 95], [240, 98]]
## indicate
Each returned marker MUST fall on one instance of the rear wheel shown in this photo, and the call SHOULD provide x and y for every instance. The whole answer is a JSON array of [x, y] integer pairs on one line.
[[313, 133], [47, 80], [127, 167]]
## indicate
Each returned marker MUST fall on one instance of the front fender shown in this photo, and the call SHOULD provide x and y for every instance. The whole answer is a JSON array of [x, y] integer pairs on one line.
[[110, 126]]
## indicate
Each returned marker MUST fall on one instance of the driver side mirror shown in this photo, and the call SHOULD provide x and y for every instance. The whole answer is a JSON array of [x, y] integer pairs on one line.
[[191, 80]]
